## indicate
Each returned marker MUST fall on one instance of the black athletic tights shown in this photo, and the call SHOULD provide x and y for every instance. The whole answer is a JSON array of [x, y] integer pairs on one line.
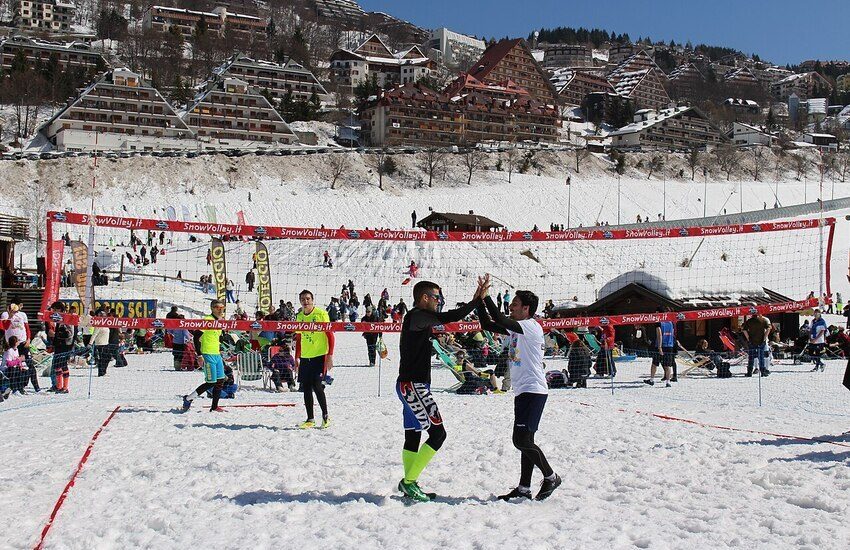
[[531, 456], [436, 437], [311, 385], [216, 391]]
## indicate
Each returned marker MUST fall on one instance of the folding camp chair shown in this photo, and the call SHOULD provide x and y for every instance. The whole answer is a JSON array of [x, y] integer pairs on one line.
[[449, 362], [267, 370], [249, 365], [691, 363], [730, 346], [592, 342]]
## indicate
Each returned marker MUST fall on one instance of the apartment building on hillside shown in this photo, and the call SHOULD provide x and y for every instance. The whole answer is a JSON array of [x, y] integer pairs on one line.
[[71, 55], [43, 15], [277, 78], [119, 111], [218, 21], [674, 128], [374, 57], [229, 112], [512, 60]]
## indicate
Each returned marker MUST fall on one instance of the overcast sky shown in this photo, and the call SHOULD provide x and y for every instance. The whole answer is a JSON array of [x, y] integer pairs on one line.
[[782, 31]]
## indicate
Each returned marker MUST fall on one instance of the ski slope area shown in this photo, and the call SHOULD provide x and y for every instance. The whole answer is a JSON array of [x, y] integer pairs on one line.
[[157, 478]]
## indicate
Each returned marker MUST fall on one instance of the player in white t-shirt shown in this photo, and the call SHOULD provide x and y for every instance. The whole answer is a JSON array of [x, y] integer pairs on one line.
[[525, 359]]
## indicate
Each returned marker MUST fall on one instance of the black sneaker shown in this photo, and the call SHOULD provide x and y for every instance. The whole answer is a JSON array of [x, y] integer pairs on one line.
[[649, 382], [548, 487], [674, 379], [765, 372], [516, 493]]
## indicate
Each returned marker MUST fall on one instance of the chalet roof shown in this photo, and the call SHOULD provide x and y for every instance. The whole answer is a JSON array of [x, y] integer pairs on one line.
[[683, 303], [465, 81], [637, 61], [685, 71], [459, 219], [492, 56], [563, 77], [370, 39], [741, 74], [626, 83]]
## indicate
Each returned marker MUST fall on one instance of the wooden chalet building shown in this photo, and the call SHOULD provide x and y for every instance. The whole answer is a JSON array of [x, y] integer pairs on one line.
[[450, 221], [635, 298]]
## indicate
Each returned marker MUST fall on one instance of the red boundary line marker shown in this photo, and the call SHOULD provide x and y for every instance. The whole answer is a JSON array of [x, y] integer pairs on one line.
[[71, 481], [248, 405], [729, 428]]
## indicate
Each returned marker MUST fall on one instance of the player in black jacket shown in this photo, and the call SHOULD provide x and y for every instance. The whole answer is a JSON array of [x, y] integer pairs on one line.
[[414, 382]]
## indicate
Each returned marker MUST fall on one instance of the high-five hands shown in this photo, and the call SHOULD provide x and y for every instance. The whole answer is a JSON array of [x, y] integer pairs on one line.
[[483, 286]]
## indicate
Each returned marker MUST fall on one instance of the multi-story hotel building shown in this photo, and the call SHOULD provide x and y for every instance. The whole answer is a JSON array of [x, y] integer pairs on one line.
[[804, 85], [567, 55], [511, 60], [118, 111], [229, 112], [415, 115], [45, 15], [455, 48], [573, 86], [373, 57], [69, 56], [277, 78], [219, 20], [674, 128]]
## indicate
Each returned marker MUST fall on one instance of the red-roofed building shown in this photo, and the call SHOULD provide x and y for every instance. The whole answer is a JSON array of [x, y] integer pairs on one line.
[[415, 115], [511, 60], [465, 84]]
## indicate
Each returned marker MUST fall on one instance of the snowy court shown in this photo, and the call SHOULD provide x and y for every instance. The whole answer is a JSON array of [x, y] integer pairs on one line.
[[247, 478]]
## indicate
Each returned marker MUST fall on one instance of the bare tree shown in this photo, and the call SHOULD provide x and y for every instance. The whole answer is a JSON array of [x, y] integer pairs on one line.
[[581, 154], [512, 158], [378, 162], [694, 160], [727, 158], [801, 165], [656, 162], [338, 164], [431, 162], [843, 164], [760, 162], [36, 199], [472, 159]]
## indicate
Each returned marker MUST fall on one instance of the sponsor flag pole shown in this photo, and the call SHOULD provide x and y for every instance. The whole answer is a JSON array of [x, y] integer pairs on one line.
[[264, 279]]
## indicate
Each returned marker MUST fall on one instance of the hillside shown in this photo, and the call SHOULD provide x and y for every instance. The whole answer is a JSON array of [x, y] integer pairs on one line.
[[295, 191]]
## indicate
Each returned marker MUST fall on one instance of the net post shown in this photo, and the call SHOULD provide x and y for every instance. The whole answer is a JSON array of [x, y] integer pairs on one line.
[[380, 362]]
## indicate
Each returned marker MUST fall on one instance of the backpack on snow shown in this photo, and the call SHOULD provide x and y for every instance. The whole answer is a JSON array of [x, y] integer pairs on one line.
[[556, 379]]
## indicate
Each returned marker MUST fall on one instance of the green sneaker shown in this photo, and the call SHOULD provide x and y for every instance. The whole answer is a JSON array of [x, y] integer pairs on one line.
[[412, 491]]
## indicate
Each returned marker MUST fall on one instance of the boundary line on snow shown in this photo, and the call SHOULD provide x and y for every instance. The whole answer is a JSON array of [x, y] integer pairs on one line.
[[249, 405], [71, 481], [728, 428]]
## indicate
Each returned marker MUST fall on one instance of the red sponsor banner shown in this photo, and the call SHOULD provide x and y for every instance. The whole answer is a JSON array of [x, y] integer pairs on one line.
[[310, 233], [54, 273], [463, 326]]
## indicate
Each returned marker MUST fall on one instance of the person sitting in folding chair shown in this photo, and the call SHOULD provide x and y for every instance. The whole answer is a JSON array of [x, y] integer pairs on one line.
[[283, 369]]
